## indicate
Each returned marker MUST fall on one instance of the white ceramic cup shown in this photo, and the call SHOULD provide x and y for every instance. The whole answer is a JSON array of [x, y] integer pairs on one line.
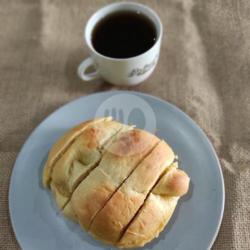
[[124, 71]]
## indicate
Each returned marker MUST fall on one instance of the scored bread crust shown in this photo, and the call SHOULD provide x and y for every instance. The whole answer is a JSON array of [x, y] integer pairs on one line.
[[110, 222], [61, 145], [81, 157], [116, 165], [117, 182], [156, 211], [67, 209]]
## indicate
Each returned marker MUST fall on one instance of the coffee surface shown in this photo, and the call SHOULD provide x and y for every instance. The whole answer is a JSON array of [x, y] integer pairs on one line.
[[124, 34]]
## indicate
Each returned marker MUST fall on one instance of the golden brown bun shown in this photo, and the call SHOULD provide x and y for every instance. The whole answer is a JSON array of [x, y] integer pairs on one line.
[[117, 213], [116, 165], [82, 156], [117, 182], [61, 145], [76, 175], [156, 211]]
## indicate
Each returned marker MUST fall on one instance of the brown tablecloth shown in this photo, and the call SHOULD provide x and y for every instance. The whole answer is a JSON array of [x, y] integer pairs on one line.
[[204, 69]]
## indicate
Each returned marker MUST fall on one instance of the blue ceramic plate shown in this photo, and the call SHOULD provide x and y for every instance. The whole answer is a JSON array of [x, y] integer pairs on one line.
[[36, 220]]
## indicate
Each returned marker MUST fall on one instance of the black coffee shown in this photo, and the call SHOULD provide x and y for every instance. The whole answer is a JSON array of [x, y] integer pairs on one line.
[[124, 34]]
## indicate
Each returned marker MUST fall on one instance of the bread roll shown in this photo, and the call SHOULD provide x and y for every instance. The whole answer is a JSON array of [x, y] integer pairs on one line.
[[125, 202], [157, 209], [117, 182], [61, 145], [116, 165], [80, 157]]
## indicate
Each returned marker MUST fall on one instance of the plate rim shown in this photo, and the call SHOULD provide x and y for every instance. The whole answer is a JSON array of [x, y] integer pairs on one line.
[[112, 92]]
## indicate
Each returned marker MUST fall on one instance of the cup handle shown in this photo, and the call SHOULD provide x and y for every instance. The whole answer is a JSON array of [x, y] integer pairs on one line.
[[83, 67]]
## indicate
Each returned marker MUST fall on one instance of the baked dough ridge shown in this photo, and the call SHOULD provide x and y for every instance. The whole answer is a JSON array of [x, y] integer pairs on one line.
[[157, 209], [63, 198], [143, 204], [128, 198], [102, 151], [62, 145], [117, 165], [145, 156], [121, 188]]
